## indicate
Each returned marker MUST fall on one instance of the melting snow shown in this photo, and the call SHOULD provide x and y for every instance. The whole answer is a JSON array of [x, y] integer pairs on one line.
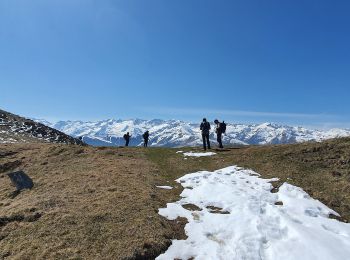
[[199, 154], [165, 187], [250, 225]]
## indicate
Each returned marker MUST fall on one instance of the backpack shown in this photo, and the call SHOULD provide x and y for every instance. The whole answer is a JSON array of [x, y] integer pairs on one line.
[[125, 136], [223, 127]]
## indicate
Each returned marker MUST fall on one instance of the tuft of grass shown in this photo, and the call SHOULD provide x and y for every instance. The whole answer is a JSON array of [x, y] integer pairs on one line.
[[102, 203], [321, 169], [87, 203]]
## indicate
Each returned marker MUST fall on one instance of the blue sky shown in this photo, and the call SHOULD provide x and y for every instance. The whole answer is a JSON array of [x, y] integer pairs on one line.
[[243, 61]]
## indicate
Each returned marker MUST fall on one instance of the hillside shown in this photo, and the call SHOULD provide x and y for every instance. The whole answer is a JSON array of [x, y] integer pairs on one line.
[[90, 202], [16, 129], [175, 133]]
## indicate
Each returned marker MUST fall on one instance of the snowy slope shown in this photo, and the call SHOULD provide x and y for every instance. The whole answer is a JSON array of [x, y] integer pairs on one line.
[[238, 217], [175, 133]]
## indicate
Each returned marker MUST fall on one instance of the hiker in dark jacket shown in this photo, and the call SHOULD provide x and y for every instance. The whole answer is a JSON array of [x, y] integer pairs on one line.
[[145, 139], [127, 138], [205, 128], [220, 129]]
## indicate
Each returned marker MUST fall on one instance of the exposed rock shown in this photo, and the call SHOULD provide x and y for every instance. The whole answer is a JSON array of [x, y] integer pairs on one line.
[[16, 129], [336, 174], [21, 180]]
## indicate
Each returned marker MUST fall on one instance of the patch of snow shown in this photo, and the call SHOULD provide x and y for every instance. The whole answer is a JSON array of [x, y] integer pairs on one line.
[[251, 225], [165, 187], [199, 154], [179, 151]]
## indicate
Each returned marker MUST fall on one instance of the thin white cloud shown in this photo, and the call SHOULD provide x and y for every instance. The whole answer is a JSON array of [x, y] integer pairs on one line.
[[309, 120], [240, 113]]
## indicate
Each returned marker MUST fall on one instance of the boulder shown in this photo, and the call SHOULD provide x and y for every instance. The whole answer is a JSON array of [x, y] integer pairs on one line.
[[20, 180]]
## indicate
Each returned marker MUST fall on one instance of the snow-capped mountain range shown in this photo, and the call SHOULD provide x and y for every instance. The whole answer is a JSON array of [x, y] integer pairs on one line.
[[175, 133]]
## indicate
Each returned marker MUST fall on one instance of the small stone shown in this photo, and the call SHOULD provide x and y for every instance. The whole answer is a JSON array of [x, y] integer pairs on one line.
[[336, 174]]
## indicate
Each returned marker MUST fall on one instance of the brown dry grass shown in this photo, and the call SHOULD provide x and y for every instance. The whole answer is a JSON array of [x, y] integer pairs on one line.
[[102, 203], [95, 203]]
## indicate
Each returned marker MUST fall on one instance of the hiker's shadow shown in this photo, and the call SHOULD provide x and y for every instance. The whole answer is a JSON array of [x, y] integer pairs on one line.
[[222, 150]]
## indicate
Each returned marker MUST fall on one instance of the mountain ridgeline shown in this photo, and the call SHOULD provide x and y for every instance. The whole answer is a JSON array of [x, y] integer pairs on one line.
[[16, 129], [175, 133]]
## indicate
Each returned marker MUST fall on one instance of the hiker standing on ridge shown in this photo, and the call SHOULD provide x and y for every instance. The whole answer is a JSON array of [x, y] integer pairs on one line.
[[205, 128], [220, 129], [127, 138], [145, 139]]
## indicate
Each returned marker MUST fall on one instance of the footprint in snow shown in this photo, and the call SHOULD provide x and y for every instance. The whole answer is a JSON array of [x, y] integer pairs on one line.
[[312, 212], [196, 216], [213, 237], [330, 229]]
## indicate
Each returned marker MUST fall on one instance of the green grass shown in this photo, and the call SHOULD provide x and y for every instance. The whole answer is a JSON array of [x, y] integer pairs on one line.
[[103, 202], [172, 165], [321, 169]]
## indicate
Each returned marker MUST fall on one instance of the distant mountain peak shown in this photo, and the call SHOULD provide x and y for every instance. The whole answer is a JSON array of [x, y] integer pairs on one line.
[[177, 133]]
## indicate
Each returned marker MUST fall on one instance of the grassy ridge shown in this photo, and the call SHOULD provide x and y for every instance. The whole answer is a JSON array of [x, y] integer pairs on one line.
[[102, 203], [321, 169], [90, 203]]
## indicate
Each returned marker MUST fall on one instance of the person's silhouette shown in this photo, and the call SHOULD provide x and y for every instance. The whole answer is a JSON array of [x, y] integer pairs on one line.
[[219, 131], [145, 139], [127, 138], [205, 128]]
